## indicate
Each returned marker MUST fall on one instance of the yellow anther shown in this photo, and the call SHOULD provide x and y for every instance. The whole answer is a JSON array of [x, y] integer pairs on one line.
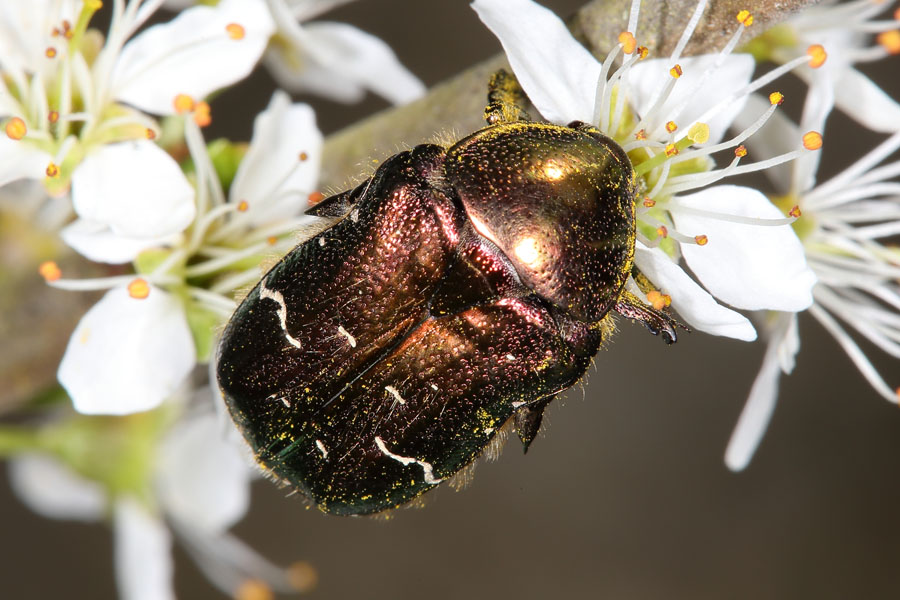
[[316, 197], [676, 71], [151, 135], [817, 55], [699, 133], [53, 116], [662, 231], [243, 206], [812, 140], [302, 576], [138, 288], [671, 150], [16, 129], [304, 157], [649, 202], [626, 38], [235, 31], [202, 116], [272, 240], [50, 52], [701, 240], [642, 52], [795, 212], [49, 270], [52, 170], [776, 98], [671, 126], [890, 41], [641, 134], [183, 104], [745, 18], [740, 151]]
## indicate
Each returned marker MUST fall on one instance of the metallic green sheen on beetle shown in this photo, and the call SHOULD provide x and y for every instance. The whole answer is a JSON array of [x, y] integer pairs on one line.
[[462, 287]]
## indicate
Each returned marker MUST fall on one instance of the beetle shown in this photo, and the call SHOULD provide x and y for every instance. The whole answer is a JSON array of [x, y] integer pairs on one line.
[[459, 288]]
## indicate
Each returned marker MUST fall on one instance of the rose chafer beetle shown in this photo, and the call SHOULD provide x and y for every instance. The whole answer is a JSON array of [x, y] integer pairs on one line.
[[460, 288]]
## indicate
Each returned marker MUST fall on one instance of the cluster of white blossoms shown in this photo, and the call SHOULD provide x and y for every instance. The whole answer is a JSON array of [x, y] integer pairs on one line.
[[184, 224], [106, 131], [673, 115]]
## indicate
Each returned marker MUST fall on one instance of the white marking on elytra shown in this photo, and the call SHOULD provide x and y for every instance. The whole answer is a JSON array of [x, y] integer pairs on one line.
[[434, 387], [354, 215], [393, 392], [322, 242], [286, 402], [275, 295], [347, 335], [488, 430], [322, 448], [517, 404], [510, 357], [406, 460]]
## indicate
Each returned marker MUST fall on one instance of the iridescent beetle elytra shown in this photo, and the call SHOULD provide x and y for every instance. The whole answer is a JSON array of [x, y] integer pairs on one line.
[[461, 287]]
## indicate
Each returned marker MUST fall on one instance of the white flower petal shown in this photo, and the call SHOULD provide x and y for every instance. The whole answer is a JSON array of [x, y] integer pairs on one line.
[[52, 490], [98, 243], [193, 54], [748, 266], [696, 91], [341, 61], [202, 478], [127, 355], [789, 345], [559, 75], [25, 31], [135, 188], [691, 301], [20, 160], [760, 405], [271, 177], [862, 100], [143, 554]]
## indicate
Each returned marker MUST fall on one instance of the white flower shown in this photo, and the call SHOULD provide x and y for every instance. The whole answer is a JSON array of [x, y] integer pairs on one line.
[[844, 30], [69, 115], [665, 113], [845, 227], [197, 483], [136, 346], [334, 60]]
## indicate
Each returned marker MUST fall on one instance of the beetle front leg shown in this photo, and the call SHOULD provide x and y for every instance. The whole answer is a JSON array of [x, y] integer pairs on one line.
[[506, 100], [656, 321]]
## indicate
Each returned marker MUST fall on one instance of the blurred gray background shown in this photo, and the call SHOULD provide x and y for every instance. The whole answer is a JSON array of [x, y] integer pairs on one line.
[[623, 495]]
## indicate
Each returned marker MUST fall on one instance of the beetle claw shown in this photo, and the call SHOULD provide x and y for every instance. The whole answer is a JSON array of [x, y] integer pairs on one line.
[[656, 321], [528, 422]]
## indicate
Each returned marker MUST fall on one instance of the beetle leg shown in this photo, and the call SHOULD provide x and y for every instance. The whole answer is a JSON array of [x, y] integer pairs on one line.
[[656, 321], [506, 100], [528, 421]]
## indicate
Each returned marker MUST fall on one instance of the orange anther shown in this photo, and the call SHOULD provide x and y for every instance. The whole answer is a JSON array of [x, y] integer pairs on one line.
[[52, 170], [253, 589], [671, 150], [701, 240], [201, 114], [817, 55], [183, 104], [776, 98], [139, 288], [662, 231], [890, 41], [151, 135], [49, 270], [671, 126], [812, 140], [642, 52], [53, 116], [649, 202], [243, 206], [304, 156], [302, 576], [641, 135], [271, 240], [795, 212], [316, 197], [740, 151], [626, 38], [658, 300], [676, 71], [16, 129], [50, 52], [235, 31]]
